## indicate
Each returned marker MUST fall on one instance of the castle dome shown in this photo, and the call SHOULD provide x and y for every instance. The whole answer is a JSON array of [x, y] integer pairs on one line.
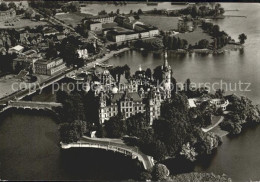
[[114, 90]]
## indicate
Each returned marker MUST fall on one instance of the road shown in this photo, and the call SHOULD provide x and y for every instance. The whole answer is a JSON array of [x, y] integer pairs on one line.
[[28, 91], [214, 125]]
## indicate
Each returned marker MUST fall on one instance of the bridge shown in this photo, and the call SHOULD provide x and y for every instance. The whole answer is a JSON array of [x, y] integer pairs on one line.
[[31, 105], [20, 94], [112, 145]]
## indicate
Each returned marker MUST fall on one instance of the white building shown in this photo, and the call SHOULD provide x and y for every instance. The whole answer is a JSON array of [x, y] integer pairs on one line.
[[83, 53]]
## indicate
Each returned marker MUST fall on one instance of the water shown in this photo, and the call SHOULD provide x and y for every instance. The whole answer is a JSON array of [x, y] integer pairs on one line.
[[30, 151], [237, 157], [230, 68], [29, 140], [96, 8]]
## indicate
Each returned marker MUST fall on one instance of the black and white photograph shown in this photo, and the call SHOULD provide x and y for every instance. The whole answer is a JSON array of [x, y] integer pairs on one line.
[[129, 91]]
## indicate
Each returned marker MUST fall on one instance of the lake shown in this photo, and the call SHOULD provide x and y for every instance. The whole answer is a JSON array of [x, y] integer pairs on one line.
[[231, 68], [94, 9], [29, 150]]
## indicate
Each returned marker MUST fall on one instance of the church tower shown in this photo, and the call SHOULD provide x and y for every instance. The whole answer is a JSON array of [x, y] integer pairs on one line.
[[166, 75]]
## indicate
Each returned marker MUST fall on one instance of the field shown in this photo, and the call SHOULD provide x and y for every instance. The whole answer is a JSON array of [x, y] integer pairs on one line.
[[162, 22], [168, 23], [22, 23], [71, 18], [195, 36]]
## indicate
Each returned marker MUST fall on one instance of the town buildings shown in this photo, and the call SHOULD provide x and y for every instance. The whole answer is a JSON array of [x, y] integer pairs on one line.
[[16, 49], [8, 14], [100, 18], [25, 60], [144, 32], [94, 25], [49, 67]]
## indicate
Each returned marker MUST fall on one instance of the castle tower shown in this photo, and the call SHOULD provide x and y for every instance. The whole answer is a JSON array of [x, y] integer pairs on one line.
[[102, 108], [166, 71]]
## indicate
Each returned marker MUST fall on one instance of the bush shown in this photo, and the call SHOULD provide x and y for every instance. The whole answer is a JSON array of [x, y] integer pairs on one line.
[[160, 172]]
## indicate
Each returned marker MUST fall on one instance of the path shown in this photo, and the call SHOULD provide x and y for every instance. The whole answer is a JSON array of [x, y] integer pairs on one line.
[[116, 146]]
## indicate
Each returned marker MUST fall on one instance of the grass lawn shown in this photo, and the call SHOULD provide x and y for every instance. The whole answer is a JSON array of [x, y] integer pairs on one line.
[[195, 36], [71, 18], [168, 23], [23, 23], [162, 22]]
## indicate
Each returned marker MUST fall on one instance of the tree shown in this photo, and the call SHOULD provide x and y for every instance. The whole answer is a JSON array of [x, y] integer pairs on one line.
[[157, 74], [145, 175], [101, 133], [115, 127], [118, 11], [139, 12], [159, 150], [68, 50], [148, 73], [204, 43], [3, 6], [160, 172], [37, 17], [188, 152], [67, 133], [61, 96], [12, 5], [103, 12], [242, 37], [135, 124], [51, 51], [71, 132], [220, 93], [215, 30], [28, 13]]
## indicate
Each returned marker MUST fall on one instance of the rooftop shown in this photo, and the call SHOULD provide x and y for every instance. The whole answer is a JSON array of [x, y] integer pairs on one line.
[[17, 48]]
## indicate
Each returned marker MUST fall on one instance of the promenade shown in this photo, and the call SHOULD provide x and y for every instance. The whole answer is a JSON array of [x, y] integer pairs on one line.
[[112, 145]]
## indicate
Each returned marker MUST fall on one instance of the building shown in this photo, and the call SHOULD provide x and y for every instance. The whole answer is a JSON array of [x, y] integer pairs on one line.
[[144, 34], [49, 67], [154, 32], [16, 49], [6, 15], [60, 36], [218, 103], [94, 25], [122, 36], [25, 60], [83, 53], [131, 25], [135, 95], [131, 35], [50, 31], [100, 18], [115, 36]]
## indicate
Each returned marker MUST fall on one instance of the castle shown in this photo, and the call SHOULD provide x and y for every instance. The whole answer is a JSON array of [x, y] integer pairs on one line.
[[138, 94]]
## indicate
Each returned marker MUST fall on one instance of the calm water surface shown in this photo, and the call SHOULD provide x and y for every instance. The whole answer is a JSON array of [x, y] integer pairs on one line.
[[231, 68], [29, 140]]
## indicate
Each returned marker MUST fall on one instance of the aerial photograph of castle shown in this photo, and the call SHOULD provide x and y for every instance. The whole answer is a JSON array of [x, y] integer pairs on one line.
[[129, 91]]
